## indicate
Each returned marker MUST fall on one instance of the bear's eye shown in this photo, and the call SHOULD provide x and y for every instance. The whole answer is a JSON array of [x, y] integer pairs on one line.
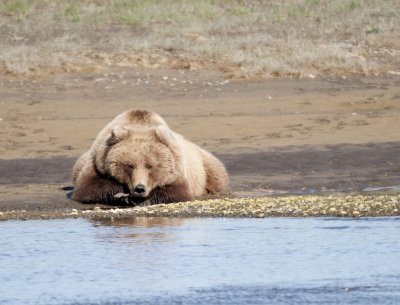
[[130, 166], [149, 166]]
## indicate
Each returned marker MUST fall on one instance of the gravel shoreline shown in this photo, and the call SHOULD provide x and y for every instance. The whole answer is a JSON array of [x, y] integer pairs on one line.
[[336, 205]]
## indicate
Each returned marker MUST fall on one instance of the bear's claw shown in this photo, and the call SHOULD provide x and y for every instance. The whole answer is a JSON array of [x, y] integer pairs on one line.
[[122, 196]]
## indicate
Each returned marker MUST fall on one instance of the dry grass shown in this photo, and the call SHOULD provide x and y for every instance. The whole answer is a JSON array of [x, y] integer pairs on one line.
[[242, 38]]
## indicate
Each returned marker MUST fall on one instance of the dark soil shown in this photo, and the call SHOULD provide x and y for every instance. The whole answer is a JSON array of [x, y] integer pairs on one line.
[[291, 170]]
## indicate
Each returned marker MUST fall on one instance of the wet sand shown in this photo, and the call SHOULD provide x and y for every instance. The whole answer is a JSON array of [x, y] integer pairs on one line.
[[275, 137], [36, 183]]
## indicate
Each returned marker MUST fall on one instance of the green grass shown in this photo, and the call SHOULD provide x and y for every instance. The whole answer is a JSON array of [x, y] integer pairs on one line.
[[19, 8], [73, 11], [243, 38]]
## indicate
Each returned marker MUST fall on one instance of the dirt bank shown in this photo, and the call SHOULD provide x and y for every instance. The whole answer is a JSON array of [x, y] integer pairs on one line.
[[60, 116]]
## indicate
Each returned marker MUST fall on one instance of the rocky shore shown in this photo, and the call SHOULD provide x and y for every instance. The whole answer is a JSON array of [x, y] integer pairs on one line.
[[333, 205]]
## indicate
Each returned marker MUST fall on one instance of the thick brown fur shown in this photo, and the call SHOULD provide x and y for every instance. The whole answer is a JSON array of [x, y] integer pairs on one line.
[[138, 150]]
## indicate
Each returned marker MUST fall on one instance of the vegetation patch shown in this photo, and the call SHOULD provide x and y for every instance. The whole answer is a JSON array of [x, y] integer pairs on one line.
[[242, 38]]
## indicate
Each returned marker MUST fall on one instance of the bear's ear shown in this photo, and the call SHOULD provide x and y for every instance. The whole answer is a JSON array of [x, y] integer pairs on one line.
[[118, 134], [163, 135]]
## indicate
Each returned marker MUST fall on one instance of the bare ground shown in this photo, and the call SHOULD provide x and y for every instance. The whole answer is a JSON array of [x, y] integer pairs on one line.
[[275, 136]]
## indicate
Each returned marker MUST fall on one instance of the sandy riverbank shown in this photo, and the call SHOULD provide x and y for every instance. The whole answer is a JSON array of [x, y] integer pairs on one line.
[[275, 136]]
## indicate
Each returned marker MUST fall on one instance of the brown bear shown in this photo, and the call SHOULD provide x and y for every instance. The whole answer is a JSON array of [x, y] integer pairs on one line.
[[137, 158]]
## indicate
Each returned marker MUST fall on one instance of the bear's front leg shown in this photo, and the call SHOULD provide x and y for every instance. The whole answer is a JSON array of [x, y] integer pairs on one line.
[[178, 192], [92, 187]]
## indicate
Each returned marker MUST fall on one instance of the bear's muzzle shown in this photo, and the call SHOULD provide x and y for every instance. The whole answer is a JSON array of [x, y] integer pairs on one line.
[[138, 190]]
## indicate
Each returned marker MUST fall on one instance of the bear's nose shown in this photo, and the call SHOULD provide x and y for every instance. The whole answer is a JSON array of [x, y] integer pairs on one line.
[[139, 189]]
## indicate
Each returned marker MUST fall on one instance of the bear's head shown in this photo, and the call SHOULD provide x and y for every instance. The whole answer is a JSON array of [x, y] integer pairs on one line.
[[141, 159]]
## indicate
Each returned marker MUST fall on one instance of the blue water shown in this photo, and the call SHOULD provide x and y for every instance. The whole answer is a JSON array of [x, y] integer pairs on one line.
[[201, 261]]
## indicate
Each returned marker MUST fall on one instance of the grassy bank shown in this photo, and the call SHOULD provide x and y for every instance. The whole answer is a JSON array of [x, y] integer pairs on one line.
[[241, 38]]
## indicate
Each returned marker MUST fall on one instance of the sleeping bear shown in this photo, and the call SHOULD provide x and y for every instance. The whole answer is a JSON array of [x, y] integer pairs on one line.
[[137, 158]]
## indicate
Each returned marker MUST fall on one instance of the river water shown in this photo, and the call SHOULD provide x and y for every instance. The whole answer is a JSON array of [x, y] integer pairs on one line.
[[201, 261]]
